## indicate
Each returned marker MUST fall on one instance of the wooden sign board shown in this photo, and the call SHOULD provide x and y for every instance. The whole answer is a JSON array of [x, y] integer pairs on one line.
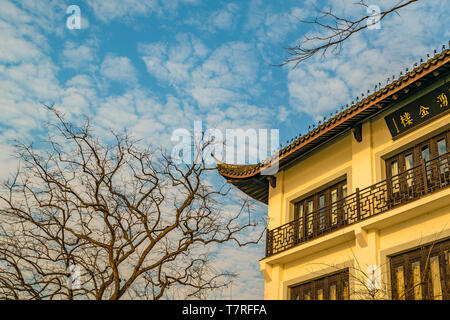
[[421, 110]]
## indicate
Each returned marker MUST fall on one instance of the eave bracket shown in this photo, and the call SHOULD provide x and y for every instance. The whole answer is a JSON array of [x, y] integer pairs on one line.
[[357, 132], [272, 181]]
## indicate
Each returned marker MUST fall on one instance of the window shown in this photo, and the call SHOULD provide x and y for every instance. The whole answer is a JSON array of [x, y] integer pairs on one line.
[[442, 149], [321, 211], [409, 165], [414, 156], [404, 172], [423, 273], [394, 174], [442, 146], [331, 287]]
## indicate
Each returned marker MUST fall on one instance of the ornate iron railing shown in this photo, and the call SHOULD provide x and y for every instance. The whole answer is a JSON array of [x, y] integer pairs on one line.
[[405, 187]]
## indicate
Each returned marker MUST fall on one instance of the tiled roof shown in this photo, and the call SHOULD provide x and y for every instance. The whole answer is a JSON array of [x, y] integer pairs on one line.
[[347, 118]]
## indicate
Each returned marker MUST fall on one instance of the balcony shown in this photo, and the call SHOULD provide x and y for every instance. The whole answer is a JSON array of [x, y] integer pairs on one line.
[[408, 186]]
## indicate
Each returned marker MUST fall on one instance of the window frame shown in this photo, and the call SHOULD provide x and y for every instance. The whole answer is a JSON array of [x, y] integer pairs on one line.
[[338, 278], [400, 186], [310, 228], [423, 254], [416, 151]]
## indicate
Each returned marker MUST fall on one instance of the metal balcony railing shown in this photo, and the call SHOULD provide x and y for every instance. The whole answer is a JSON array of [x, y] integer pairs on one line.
[[403, 188]]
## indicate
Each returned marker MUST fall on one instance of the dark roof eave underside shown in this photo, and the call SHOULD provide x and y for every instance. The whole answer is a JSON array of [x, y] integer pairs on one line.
[[248, 179]]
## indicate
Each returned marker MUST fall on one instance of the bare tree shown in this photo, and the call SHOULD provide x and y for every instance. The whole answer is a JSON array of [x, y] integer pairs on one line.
[[84, 219], [334, 30]]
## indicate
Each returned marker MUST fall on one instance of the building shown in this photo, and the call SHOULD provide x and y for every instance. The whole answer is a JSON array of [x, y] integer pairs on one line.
[[360, 206]]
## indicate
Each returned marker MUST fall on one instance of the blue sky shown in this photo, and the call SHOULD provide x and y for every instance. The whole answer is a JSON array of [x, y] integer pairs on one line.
[[150, 67]]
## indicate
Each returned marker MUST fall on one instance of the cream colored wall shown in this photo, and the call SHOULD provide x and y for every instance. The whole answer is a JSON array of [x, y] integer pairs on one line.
[[315, 265], [365, 243], [369, 242], [313, 172]]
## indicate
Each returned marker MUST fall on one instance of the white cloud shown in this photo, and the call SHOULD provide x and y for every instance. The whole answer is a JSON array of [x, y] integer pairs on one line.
[[109, 10], [245, 262], [8, 163], [77, 56], [231, 66], [126, 10], [223, 19], [14, 48], [271, 25], [173, 64], [78, 97], [216, 81], [20, 41], [44, 15], [213, 97], [118, 69]]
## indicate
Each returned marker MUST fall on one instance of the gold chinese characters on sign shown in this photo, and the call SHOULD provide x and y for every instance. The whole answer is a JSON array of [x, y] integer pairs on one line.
[[420, 110], [442, 99], [406, 119], [423, 112]]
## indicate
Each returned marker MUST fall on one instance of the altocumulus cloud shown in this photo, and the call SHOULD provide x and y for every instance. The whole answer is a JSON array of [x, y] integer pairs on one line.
[[185, 60]]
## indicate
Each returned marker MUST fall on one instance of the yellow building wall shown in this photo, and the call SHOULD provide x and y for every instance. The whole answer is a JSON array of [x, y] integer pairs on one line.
[[366, 243]]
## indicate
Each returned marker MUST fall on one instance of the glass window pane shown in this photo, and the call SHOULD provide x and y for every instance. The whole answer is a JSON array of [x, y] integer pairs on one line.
[[400, 283], [442, 149], [334, 194], [394, 168], [426, 153], [300, 220], [322, 201], [344, 194], [300, 211], [447, 254], [333, 292], [309, 209], [307, 295], [310, 206], [442, 146], [319, 294], [394, 173], [435, 278], [322, 212], [345, 293], [417, 280], [408, 166], [409, 161], [426, 157]]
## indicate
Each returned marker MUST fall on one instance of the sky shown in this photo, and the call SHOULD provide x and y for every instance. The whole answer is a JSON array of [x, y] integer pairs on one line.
[[151, 66]]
